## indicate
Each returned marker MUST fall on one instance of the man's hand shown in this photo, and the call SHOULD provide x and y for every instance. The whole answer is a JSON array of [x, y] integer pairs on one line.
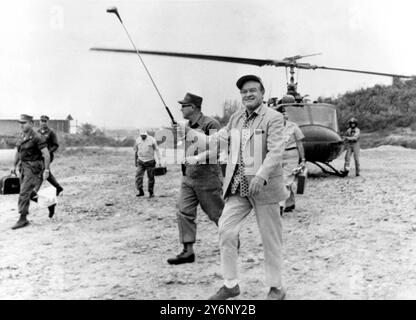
[[256, 185], [191, 160], [180, 130], [45, 174], [13, 170], [303, 163]]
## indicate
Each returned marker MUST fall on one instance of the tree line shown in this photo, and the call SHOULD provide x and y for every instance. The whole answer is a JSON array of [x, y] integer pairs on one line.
[[382, 107]]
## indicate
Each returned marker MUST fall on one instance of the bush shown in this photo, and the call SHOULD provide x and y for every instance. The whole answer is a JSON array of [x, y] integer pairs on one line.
[[379, 107]]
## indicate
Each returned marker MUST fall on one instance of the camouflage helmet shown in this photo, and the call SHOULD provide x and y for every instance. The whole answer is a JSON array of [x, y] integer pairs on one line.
[[353, 120]]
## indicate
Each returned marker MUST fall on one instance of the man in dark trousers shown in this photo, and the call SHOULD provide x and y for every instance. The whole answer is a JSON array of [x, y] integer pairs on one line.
[[33, 156], [52, 141], [145, 151], [202, 180]]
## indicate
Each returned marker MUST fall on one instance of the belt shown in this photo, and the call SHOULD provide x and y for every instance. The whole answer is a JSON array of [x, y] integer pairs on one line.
[[288, 149]]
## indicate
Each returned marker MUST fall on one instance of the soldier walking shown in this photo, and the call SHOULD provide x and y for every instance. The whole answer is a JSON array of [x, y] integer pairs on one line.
[[202, 180], [52, 142], [33, 155]]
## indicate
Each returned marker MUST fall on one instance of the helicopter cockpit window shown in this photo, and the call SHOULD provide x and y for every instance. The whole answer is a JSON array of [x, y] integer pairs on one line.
[[298, 114], [324, 115]]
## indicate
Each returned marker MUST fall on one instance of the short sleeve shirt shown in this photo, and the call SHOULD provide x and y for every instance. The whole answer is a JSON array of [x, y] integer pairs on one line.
[[50, 137], [146, 148], [30, 145], [293, 134], [208, 126]]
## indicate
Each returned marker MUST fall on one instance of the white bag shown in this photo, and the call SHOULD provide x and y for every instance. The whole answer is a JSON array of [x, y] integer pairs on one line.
[[47, 197]]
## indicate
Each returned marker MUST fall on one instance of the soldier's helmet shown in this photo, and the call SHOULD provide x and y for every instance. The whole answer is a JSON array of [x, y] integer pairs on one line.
[[353, 120], [288, 98]]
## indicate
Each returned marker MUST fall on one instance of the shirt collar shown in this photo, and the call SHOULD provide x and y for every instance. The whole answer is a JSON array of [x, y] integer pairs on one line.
[[254, 113], [46, 129], [28, 135], [197, 121]]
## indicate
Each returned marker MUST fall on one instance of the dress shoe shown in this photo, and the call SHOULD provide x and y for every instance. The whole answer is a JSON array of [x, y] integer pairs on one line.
[[276, 294], [225, 293], [58, 191], [289, 209], [22, 222], [141, 193], [182, 258], [51, 210]]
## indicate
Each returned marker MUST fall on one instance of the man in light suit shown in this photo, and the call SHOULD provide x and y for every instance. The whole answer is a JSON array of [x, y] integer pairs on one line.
[[253, 180]]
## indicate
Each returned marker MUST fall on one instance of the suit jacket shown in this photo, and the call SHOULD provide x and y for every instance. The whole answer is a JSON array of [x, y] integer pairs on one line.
[[262, 153]]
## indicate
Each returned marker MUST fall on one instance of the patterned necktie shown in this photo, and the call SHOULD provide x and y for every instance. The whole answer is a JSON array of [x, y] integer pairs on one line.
[[240, 178]]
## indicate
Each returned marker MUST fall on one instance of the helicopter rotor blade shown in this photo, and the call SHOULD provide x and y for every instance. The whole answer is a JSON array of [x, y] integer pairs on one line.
[[365, 72], [308, 66], [256, 62], [294, 58], [287, 62]]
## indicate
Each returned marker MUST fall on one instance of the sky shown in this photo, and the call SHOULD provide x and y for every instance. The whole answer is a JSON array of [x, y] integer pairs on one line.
[[47, 67]]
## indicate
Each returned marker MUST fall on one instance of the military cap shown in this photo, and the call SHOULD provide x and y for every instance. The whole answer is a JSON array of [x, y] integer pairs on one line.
[[191, 99], [249, 77], [44, 118], [25, 118]]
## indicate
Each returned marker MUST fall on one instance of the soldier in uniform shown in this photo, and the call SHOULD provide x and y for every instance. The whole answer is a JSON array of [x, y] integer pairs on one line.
[[52, 141], [33, 155], [202, 180], [352, 145]]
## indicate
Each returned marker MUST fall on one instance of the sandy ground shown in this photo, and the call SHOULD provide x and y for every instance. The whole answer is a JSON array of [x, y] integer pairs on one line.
[[349, 238]]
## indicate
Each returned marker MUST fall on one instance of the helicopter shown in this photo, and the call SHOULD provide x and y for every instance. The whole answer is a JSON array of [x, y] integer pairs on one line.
[[318, 122]]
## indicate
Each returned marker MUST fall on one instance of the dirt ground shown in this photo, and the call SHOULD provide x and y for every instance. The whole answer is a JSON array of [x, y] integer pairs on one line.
[[349, 238]]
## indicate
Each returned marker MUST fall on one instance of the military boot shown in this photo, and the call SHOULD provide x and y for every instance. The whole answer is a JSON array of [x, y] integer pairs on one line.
[[51, 210], [59, 190], [22, 222]]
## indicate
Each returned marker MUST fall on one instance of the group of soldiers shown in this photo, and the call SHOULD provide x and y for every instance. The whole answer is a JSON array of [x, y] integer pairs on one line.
[[263, 150]]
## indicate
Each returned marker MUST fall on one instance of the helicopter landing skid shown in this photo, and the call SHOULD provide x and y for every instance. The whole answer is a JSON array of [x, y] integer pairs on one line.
[[334, 171]]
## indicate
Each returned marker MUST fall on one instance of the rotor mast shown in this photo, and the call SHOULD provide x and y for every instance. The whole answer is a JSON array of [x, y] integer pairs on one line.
[[292, 86]]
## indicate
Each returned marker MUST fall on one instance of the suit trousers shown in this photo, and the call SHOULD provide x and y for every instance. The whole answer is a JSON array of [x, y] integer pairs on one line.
[[235, 212]]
